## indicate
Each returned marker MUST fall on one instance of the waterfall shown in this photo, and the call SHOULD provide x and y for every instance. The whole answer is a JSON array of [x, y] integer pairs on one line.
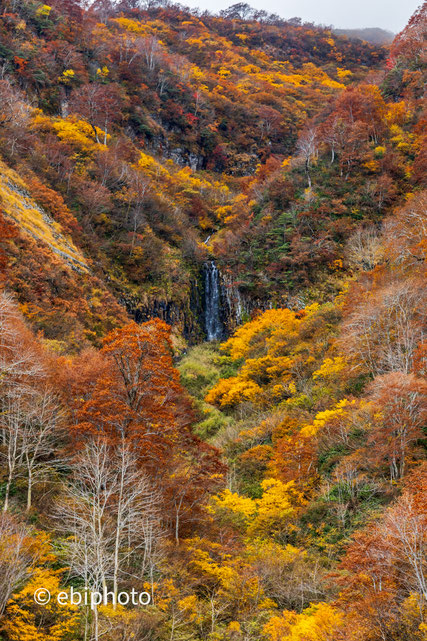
[[213, 324], [235, 303]]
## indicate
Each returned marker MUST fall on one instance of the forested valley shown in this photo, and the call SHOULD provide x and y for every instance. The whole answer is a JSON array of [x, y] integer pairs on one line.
[[213, 300]]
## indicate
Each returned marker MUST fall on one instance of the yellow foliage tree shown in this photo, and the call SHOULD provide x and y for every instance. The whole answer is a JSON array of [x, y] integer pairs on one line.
[[276, 507], [320, 622], [234, 507], [26, 620], [229, 392], [331, 368], [262, 332], [79, 134], [269, 515]]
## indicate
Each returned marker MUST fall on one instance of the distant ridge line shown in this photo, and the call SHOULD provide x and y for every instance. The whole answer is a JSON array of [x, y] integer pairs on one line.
[[374, 35]]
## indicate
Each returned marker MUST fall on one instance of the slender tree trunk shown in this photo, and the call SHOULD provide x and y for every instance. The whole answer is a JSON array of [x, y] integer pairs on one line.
[[118, 530], [177, 509], [30, 489], [307, 171], [96, 133], [96, 621], [7, 492]]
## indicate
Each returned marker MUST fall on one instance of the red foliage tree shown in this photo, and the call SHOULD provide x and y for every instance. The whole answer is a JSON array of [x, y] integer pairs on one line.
[[7, 231]]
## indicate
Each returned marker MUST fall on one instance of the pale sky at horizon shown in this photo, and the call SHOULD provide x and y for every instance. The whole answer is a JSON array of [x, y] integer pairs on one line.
[[342, 14]]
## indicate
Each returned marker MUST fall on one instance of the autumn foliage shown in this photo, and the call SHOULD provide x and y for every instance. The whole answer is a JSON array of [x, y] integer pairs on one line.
[[271, 487]]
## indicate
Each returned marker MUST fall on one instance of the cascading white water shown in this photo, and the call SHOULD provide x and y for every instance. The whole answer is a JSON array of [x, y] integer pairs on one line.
[[213, 325], [235, 302]]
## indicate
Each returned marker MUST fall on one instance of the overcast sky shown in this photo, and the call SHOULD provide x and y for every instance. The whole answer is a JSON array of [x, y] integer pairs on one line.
[[345, 14]]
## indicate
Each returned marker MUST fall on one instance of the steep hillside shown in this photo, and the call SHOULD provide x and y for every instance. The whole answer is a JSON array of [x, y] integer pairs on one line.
[[255, 470], [147, 123], [55, 283], [355, 161], [33, 221]]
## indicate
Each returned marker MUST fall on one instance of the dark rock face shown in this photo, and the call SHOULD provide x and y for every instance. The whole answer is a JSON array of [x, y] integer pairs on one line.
[[212, 310], [187, 316]]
